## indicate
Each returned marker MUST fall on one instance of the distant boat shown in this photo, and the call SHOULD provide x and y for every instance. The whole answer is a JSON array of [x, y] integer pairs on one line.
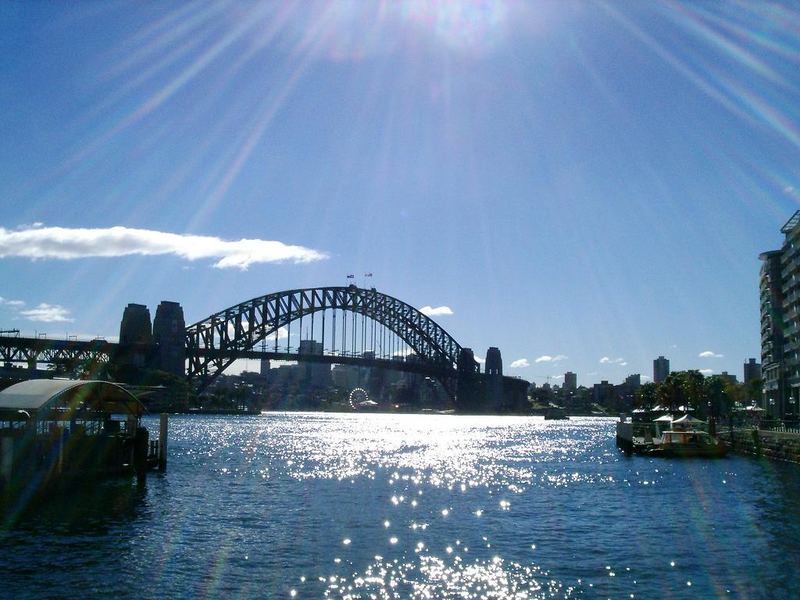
[[555, 413]]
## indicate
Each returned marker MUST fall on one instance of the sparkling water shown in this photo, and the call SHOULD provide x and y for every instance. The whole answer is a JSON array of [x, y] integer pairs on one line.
[[322, 505]]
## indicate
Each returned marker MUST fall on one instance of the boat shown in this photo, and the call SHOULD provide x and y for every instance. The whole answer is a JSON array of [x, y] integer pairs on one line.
[[667, 436], [639, 433], [688, 443], [555, 413]]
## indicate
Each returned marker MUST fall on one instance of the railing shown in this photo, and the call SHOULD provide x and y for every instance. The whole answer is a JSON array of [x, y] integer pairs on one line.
[[785, 426]]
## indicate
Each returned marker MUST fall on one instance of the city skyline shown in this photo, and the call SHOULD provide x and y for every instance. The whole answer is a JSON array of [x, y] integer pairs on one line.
[[586, 187]]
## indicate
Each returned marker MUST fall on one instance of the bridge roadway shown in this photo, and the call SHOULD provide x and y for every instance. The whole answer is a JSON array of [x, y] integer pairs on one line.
[[52, 351], [30, 351], [422, 367]]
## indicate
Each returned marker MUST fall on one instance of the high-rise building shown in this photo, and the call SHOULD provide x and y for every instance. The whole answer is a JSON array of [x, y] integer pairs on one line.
[[779, 288], [660, 369], [752, 370], [570, 381], [634, 381]]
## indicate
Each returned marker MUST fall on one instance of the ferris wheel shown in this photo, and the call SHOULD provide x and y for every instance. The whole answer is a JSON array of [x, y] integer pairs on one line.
[[357, 397]]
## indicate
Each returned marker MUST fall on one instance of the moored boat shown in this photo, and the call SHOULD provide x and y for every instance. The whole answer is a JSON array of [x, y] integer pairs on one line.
[[689, 443], [555, 413]]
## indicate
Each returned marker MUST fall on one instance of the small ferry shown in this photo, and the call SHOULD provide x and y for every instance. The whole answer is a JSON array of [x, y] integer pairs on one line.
[[667, 436], [688, 443]]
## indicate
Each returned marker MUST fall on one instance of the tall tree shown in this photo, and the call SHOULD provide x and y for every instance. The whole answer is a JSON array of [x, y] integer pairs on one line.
[[646, 396]]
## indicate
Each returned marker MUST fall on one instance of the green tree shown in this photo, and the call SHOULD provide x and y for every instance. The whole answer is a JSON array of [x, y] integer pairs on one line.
[[694, 389], [717, 396], [646, 396], [670, 392], [753, 391]]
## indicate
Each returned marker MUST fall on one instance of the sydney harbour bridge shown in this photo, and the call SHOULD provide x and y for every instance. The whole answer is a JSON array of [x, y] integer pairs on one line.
[[340, 325]]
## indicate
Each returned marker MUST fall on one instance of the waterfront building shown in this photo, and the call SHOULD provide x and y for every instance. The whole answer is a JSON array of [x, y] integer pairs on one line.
[[634, 381], [779, 294], [660, 369], [603, 393], [570, 381], [317, 374]]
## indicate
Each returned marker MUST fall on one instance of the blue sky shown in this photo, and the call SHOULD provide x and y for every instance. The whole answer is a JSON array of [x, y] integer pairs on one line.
[[573, 180]]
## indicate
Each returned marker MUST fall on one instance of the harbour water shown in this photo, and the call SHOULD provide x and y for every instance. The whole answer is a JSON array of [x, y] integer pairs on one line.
[[320, 505]]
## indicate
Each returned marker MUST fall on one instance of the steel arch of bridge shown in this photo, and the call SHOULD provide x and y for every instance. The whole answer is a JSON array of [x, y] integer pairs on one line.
[[213, 343]]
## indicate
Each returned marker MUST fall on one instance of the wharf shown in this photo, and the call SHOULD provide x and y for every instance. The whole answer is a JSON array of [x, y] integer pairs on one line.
[[776, 445]]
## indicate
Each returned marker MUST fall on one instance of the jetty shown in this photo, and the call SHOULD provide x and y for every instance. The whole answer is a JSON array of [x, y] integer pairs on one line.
[[60, 431]]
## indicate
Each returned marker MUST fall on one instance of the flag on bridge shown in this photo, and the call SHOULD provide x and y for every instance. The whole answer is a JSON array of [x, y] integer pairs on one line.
[[367, 274], [351, 276]]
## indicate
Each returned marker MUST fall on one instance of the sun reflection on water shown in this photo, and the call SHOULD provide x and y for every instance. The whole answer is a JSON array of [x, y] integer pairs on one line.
[[409, 451]]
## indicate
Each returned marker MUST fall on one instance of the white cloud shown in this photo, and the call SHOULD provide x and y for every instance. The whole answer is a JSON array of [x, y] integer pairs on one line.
[[437, 311], [47, 313], [707, 371], [646, 378], [12, 303], [520, 363], [548, 358], [68, 244], [709, 354], [613, 361], [480, 360]]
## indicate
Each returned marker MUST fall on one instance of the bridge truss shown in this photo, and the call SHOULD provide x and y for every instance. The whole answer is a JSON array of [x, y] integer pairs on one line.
[[387, 329], [67, 353]]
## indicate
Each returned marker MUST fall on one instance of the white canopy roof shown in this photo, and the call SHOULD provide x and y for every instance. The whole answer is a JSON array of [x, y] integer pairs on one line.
[[36, 395], [688, 419]]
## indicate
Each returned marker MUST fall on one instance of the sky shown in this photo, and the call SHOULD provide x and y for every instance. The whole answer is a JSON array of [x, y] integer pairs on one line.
[[585, 185]]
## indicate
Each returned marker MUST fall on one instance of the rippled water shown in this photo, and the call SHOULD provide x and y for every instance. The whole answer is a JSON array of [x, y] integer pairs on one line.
[[316, 505]]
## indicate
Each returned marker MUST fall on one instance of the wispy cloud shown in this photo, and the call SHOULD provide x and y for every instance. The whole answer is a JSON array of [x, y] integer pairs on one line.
[[548, 358], [480, 359], [606, 360], [520, 363], [63, 243], [437, 311], [709, 354], [11, 303], [707, 371], [47, 313]]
